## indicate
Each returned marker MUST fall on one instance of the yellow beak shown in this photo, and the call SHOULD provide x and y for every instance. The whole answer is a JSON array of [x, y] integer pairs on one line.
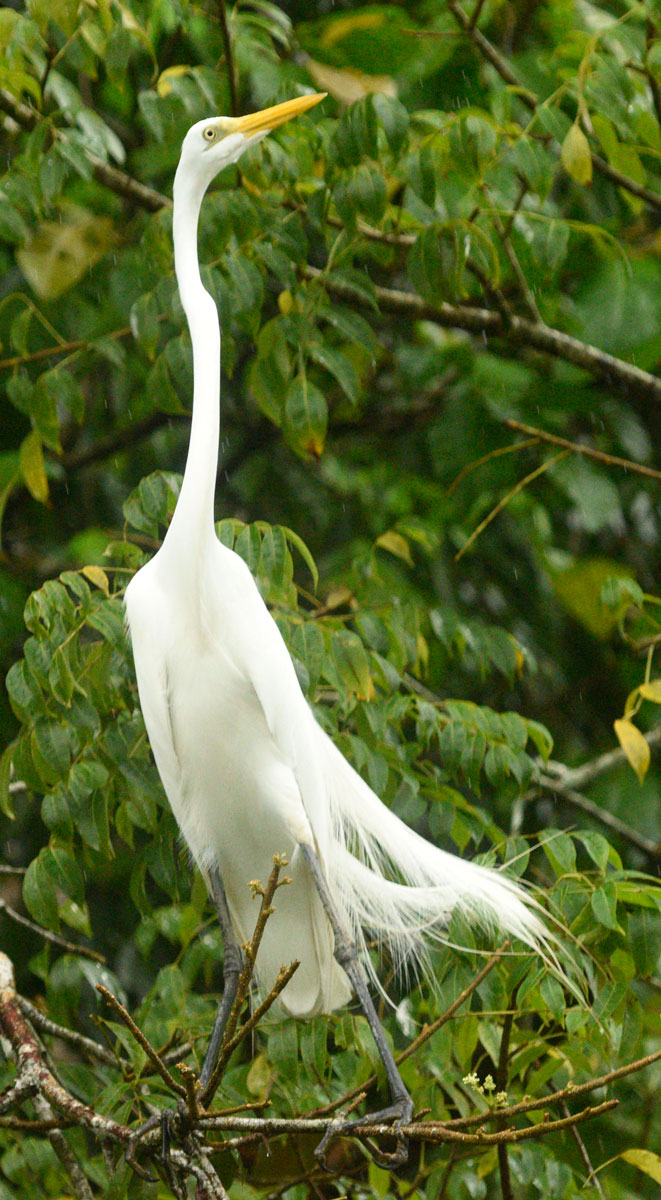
[[270, 118]]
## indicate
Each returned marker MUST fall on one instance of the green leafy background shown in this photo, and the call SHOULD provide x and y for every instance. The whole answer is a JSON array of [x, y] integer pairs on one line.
[[363, 444]]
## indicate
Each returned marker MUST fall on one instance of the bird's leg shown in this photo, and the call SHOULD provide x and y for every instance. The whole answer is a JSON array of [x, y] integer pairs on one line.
[[400, 1110], [232, 967]]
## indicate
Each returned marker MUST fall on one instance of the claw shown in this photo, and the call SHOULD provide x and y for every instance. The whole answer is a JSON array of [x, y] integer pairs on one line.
[[399, 1112], [131, 1147], [167, 1118]]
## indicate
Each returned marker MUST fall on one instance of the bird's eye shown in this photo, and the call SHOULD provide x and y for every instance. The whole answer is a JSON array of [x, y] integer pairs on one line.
[[209, 134]]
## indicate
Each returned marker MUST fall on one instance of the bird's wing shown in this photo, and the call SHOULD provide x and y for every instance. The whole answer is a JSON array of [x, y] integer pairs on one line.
[[258, 649], [144, 617]]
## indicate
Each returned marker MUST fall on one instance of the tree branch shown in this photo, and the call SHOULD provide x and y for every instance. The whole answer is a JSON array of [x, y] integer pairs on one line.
[[35, 1077], [620, 375], [152, 1054], [609, 460], [48, 936], [567, 782], [118, 181], [531, 102]]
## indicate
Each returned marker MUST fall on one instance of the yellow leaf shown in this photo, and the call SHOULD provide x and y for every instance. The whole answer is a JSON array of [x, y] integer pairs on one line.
[[576, 156], [164, 81], [631, 704], [260, 1077], [651, 691], [31, 461], [348, 85], [342, 26], [61, 252], [395, 544], [339, 597], [421, 654], [646, 1161], [98, 577], [634, 745], [285, 302]]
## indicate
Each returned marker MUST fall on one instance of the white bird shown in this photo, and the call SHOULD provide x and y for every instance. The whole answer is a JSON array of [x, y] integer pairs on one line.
[[247, 769]]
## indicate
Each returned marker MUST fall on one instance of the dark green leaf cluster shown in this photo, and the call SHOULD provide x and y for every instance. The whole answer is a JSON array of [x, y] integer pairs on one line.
[[464, 234]]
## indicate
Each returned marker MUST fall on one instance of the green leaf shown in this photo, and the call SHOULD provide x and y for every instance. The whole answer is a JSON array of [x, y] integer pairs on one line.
[[560, 851], [394, 120], [6, 804], [338, 365], [39, 892], [604, 906], [306, 417], [352, 665]]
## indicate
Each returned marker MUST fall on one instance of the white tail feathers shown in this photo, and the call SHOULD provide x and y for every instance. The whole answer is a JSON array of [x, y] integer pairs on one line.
[[370, 845]]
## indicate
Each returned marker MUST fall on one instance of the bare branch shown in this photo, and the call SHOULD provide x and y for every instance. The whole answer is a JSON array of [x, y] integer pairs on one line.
[[64, 1152], [48, 936], [85, 1044], [621, 376], [32, 1066], [250, 949], [609, 460], [118, 181], [152, 1054], [565, 781]]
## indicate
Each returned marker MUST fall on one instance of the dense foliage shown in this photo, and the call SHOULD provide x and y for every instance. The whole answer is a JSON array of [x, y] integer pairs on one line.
[[464, 234]]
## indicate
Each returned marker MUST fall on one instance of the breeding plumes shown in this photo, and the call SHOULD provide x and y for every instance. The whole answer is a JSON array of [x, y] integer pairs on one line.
[[246, 768]]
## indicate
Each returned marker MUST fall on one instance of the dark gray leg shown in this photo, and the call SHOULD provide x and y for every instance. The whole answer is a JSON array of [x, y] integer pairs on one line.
[[400, 1110], [232, 967]]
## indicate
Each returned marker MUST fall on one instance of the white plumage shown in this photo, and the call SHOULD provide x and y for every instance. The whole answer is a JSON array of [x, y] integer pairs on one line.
[[246, 768]]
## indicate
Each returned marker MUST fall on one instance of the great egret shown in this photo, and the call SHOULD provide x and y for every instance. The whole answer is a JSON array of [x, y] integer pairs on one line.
[[246, 768]]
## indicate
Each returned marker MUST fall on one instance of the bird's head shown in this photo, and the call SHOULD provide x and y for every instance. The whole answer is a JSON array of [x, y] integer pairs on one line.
[[216, 143]]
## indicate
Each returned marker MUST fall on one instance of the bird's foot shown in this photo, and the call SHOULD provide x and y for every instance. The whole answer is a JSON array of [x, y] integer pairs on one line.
[[172, 1127], [399, 1113]]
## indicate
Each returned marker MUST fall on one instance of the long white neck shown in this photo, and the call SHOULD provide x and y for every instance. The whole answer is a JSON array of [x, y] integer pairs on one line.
[[192, 523]]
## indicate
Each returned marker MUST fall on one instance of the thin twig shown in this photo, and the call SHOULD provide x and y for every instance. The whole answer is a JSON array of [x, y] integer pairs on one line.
[[142, 1040], [582, 1149], [609, 460], [485, 458], [21, 1089], [59, 349], [284, 975], [572, 1090], [48, 936], [524, 286], [421, 1131], [192, 1088], [504, 500], [250, 950], [501, 1086], [79, 1180]]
